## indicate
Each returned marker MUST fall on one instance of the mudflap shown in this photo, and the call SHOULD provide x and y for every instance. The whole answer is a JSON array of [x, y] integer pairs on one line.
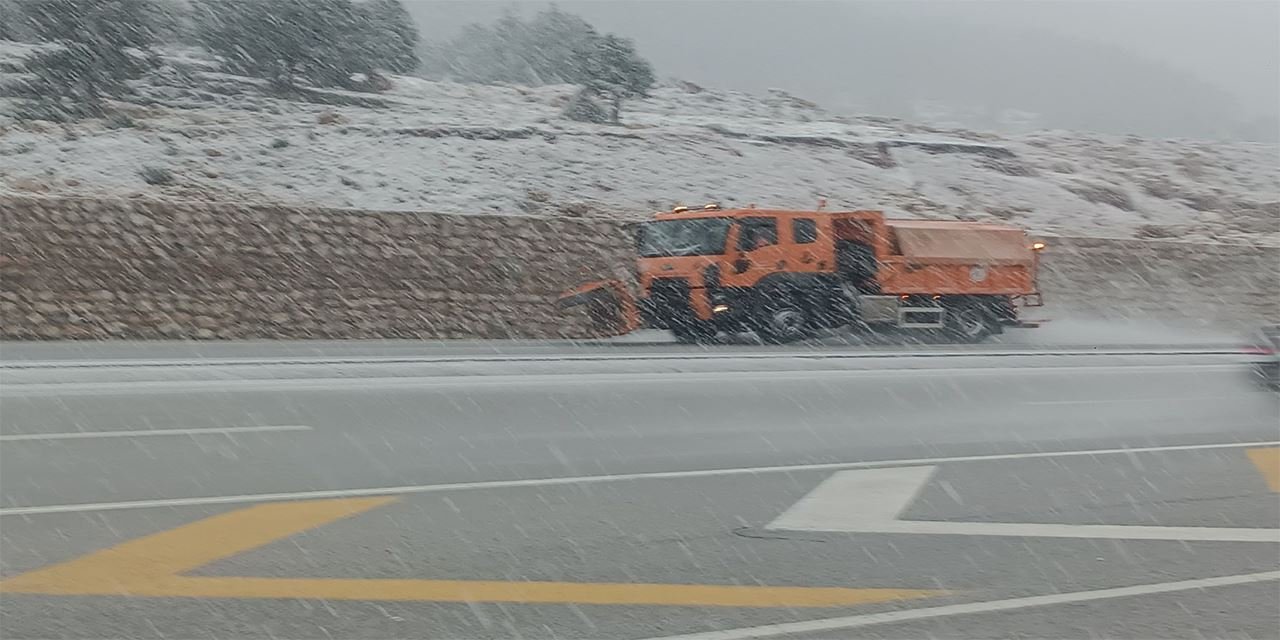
[[1025, 301], [609, 303]]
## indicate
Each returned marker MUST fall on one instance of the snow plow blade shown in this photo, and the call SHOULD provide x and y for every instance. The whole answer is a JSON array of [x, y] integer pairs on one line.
[[610, 305]]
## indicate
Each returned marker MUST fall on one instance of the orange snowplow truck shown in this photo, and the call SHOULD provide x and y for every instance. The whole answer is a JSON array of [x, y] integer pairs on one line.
[[788, 274]]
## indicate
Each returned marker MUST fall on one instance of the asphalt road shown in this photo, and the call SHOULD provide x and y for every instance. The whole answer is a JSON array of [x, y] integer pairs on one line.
[[546, 490]]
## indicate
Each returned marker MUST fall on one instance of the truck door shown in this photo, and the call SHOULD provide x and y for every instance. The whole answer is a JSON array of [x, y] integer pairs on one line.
[[758, 252]]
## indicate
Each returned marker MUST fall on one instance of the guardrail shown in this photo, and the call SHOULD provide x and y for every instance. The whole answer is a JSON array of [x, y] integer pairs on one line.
[[1134, 350]]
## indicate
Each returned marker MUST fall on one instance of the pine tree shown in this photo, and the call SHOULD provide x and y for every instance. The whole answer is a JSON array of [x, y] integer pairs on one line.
[[171, 22], [614, 70], [12, 21], [488, 54], [286, 42], [554, 47], [557, 45], [390, 36], [100, 45]]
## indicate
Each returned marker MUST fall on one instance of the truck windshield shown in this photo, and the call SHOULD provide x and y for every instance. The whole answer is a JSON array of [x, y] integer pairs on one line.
[[694, 237]]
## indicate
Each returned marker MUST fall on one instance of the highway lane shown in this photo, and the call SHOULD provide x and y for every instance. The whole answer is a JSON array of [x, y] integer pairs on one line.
[[651, 471], [378, 430]]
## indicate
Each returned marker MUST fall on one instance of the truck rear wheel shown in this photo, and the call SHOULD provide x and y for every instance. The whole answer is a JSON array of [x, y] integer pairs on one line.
[[968, 323]]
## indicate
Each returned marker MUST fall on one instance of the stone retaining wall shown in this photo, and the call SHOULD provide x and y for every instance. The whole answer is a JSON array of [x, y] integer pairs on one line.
[[131, 269], [77, 269]]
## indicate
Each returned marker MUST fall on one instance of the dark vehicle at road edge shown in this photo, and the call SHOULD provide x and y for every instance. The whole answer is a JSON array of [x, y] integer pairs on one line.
[[1265, 354]]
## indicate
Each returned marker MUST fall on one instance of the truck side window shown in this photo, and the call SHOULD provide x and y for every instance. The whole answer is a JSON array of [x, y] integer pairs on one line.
[[804, 230], [757, 232]]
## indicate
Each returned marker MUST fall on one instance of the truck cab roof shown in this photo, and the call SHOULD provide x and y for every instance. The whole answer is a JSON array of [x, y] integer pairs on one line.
[[936, 241], [898, 223]]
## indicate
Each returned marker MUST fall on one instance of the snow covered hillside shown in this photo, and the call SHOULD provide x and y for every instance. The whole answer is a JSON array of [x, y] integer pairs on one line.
[[198, 134]]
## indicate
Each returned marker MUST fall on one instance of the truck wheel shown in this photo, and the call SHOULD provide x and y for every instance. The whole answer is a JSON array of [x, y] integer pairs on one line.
[[968, 323], [782, 320], [695, 333]]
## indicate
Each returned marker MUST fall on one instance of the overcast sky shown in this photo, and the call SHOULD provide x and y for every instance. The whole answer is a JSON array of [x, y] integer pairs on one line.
[[1174, 67], [1233, 43]]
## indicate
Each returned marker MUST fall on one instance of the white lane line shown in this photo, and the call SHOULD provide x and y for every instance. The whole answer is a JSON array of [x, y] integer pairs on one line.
[[1179, 398], [393, 382], [146, 433], [990, 606], [546, 482]]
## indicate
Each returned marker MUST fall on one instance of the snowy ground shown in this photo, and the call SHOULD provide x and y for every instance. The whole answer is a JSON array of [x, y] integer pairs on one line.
[[474, 149]]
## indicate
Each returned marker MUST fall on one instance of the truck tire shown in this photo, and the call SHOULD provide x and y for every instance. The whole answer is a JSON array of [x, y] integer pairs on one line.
[[783, 318], [968, 323]]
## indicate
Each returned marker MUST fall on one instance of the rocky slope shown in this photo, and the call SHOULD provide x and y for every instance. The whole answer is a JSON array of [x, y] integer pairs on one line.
[[193, 133]]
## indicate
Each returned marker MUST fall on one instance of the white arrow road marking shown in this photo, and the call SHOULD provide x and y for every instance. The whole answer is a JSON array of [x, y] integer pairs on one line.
[[855, 499], [871, 501]]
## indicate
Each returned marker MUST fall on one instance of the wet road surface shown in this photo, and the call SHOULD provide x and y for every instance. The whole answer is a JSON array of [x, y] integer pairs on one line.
[[547, 490]]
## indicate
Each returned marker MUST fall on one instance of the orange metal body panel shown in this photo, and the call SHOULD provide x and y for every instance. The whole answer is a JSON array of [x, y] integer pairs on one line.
[[900, 276], [992, 266]]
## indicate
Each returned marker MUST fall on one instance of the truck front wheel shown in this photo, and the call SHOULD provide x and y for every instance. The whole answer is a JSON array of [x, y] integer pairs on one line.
[[783, 319]]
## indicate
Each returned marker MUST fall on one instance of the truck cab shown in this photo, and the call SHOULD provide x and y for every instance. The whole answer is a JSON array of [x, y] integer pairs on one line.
[[709, 270]]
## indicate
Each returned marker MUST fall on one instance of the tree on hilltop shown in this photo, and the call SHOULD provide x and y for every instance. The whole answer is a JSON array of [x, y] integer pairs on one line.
[[392, 37], [283, 41], [612, 69], [555, 47], [315, 42], [96, 47]]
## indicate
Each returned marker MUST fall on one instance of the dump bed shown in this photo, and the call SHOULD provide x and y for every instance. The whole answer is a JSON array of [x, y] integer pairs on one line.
[[941, 242], [956, 258]]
